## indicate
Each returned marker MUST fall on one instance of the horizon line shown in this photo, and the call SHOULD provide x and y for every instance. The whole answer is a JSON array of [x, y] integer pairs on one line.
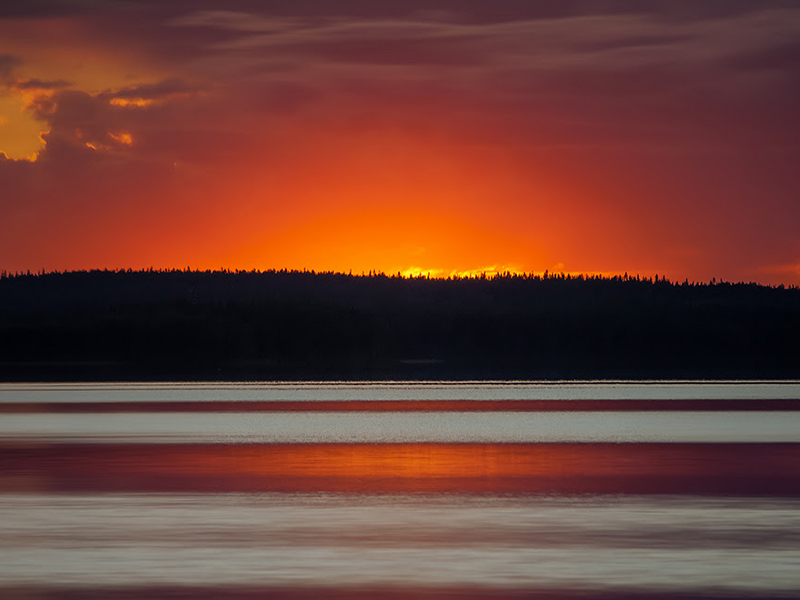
[[429, 274]]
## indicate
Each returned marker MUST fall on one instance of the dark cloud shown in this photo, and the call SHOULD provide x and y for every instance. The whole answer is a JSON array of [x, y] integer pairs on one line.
[[605, 39], [446, 52], [617, 67], [156, 91], [38, 84], [463, 11], [53, 8], [478, 11], [71, 108], [35, 8], [89, 128], [634, 42], [782, 56], [8, 62]]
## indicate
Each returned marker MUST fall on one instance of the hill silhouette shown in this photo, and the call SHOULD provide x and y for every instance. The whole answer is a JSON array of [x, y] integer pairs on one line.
[[180, 325]]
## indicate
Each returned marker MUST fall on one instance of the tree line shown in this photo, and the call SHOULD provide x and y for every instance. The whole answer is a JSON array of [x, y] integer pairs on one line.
[[185, 324]]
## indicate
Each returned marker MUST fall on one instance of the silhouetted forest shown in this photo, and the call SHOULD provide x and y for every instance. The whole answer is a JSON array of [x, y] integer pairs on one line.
[[160, 325]]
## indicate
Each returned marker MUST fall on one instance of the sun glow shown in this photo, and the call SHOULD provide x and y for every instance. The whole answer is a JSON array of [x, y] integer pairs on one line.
[[483, 272], [409, 242]]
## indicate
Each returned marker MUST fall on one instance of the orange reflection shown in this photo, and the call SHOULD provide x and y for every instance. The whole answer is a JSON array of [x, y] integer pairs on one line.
[[484, 468]]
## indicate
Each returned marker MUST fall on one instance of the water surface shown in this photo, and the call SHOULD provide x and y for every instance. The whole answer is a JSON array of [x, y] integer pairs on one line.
[[464, 490]]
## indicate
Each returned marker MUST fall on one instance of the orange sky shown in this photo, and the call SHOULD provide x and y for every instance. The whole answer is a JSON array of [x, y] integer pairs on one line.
[[446, 137]]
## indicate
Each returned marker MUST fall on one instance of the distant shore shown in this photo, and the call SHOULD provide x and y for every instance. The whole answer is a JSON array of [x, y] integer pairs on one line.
[[188, 325]]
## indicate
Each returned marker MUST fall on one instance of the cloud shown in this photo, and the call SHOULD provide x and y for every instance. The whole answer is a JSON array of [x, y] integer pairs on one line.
[[643, 73], [42, 8], [641, 52], [235, 21], [8, 62], [156, 91], [783, 56], [389, 42], [172, 123], [145, 95], [598, 35], [472, 11], [39, 85]]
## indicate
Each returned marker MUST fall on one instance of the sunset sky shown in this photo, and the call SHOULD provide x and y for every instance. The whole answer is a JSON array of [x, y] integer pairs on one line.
[[641, 136]]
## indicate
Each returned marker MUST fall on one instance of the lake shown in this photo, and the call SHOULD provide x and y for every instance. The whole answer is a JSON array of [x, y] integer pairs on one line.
[[426, 490]]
